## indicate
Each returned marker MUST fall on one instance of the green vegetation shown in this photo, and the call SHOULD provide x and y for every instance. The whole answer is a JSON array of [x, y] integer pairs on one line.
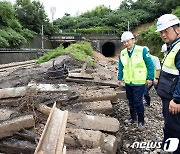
[[134, 13], [97, 30], [152, 39], [51, 54], [81, 51], [12, 34], [23, 21]]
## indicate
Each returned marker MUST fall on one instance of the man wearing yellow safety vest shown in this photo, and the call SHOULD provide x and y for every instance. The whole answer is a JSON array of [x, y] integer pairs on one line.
[[136, 69], [169, 82]]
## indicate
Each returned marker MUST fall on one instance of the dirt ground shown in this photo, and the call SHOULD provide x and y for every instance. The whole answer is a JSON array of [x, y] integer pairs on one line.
[[127, 133]]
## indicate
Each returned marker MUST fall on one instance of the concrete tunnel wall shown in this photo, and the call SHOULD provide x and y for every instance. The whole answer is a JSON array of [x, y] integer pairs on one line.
[[108, 48]]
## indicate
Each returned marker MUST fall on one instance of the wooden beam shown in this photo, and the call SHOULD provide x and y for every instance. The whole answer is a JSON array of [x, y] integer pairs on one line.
[[8, 128]]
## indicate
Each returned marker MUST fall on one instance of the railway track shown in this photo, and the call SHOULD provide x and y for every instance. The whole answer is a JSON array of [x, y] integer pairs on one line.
[[15, 65], [52, 138]]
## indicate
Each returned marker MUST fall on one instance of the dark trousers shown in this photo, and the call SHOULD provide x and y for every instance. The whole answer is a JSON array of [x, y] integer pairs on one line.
[[135, 97], [171, 134], [172, 124], [146, 94]]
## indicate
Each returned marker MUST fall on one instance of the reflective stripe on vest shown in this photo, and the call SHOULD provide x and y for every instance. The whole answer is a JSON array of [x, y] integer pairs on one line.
[[169, 65], [134, 70], [170, 71]]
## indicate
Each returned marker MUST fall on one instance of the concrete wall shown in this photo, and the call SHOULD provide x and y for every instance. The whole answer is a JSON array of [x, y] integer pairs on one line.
[[98, 41], [36, 43], [8, 57], [105, 44]]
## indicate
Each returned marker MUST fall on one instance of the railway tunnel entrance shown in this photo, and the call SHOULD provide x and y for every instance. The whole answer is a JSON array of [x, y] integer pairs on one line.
[[66, 44], [108, 49]]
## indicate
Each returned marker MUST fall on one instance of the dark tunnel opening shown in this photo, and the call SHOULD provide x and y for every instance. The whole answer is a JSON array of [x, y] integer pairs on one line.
[[66, 44], [108, 49]]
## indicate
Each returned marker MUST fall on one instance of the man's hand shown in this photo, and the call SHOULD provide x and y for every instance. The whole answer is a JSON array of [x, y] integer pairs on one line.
[[155, 82], [173, 107], [149, 83], [120, 83]]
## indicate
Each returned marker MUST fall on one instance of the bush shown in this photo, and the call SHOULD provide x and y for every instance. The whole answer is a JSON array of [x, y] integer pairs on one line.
[[51, 54], [14, 39], [81, 51], [3, 42], [28, 34]]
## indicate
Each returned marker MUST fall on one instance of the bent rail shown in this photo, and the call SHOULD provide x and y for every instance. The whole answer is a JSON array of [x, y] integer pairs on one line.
[[52, 138]]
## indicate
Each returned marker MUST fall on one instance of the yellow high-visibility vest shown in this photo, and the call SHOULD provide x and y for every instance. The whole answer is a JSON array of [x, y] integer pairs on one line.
[[134, 70], [169, 65]]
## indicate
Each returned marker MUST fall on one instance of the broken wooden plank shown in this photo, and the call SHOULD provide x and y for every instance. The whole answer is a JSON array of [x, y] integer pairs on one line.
[[87, 151], [11, 69], [52, 138], [8, 128], [80, 76], [16, 64], [97, 95], [84, 121], [15, 146], [78, 120], [44, 109], [48, 87], [110, 83], [83, 138], [13, 92], [5, 114], [21, 91], [96, 106]]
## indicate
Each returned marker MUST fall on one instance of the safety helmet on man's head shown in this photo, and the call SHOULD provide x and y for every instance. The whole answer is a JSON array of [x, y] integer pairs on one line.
[[166, 21], [126, 36]]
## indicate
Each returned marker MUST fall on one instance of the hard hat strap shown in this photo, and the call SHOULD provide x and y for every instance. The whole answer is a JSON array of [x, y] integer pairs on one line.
[[174, 27]]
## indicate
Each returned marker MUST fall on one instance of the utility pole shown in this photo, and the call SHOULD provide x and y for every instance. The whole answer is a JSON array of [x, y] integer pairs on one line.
[[128, 25], [42, 38], [53, 11]]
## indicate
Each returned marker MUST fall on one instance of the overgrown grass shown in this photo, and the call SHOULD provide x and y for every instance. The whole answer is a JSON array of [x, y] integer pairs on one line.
[[81, 51]]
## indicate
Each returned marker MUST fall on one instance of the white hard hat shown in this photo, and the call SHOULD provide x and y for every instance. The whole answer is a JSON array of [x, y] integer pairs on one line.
[[164, 48], [126, 36], [165, 21], [146, 48]]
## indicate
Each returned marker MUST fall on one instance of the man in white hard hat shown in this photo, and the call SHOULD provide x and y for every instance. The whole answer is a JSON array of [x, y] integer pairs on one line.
[[157, 68], [136, 69], [169, 82]]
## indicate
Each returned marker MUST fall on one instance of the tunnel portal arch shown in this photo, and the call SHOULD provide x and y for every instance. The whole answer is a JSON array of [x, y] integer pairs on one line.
[[66, 44], [108, 49]]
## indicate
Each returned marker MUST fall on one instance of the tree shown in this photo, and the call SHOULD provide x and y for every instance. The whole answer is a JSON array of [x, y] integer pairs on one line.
[[126, 4], [32, 16], [6, 13]]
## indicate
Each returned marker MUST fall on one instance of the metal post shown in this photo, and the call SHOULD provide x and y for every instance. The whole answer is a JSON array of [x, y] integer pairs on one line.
[[42, 38]]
